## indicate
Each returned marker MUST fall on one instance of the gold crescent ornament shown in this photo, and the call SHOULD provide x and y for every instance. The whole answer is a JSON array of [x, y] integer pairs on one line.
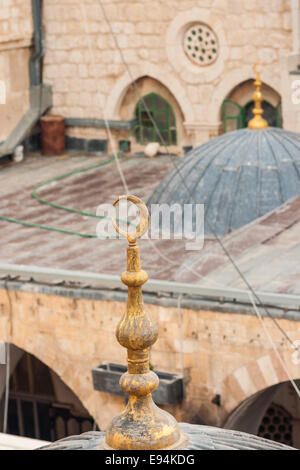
[[144, 219]]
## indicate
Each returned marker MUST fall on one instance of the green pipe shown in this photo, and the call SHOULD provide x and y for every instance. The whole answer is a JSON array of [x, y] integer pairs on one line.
[[69, 209]]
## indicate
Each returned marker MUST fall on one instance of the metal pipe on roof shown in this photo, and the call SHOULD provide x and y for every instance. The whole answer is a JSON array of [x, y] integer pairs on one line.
[[40, 93], [110, 282], [35, 66]]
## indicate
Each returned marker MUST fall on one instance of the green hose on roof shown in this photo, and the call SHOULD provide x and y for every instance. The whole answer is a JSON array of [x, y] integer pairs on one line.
[[70, 209]]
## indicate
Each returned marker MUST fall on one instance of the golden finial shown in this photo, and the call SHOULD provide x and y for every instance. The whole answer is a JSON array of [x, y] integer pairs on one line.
[[142, 425], [258, 123]]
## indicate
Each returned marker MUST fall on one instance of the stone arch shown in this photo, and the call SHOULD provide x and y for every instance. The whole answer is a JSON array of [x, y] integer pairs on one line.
[[231, 82], [45, 349], [272, 413], [149, 86], [254, 377], [167, 79], [42, 327], [243, 93], [32, 381], [78, 379]]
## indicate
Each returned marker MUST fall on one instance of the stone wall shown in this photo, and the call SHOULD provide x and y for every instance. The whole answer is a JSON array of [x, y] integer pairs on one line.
[[218, 353], [90, 80], [15, 41]]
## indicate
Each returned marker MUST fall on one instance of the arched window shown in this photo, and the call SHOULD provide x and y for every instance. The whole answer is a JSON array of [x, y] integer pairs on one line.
[[238, 105], [236, 116], [162, 114]]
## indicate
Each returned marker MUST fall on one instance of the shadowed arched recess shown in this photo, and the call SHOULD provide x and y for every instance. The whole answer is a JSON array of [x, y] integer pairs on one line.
[[145, 70], [232, 81], [40, 404], [237, 108], [272, 413], [163, 106]]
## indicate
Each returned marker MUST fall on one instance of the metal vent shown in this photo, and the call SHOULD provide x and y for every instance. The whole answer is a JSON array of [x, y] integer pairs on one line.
[[277, 425]]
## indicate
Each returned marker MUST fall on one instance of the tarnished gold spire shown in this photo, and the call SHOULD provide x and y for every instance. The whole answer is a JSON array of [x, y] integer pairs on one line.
[[258, 123], [142, 425]]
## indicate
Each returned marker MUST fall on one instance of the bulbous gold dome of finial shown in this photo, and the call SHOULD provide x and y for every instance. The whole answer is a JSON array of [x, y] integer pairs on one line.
[[258, 122]]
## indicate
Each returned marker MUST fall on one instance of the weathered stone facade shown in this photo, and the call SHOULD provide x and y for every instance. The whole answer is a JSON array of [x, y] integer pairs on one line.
[[15, 42], [218, 356], [90, 80]]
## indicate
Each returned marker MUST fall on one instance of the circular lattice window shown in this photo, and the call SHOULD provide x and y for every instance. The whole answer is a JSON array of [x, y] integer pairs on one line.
[[201, 44], [277, 425]]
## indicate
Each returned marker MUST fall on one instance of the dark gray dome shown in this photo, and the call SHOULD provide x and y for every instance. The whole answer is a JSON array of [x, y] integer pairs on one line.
[[200, 438], [239, 177]]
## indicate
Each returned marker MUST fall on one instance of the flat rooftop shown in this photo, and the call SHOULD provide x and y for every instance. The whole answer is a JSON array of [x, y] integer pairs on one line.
[[83, 191], [267, 251]]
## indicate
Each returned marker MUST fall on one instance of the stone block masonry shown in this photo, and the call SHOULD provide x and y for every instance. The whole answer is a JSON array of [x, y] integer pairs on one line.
[[250, 31], [15, 41], [95, 85], [218, 353]]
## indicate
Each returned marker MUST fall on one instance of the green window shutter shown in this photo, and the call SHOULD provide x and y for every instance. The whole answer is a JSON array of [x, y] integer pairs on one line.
[[233, 116], [163, 116], [278, 115]]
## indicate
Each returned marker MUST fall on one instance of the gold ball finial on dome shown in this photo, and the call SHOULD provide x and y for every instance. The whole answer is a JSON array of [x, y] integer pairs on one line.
[[142, 425], [258, 122]]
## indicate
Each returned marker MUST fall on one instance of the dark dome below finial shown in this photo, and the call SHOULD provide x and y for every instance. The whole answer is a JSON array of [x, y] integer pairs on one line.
[[239, 177], [201, 438]]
